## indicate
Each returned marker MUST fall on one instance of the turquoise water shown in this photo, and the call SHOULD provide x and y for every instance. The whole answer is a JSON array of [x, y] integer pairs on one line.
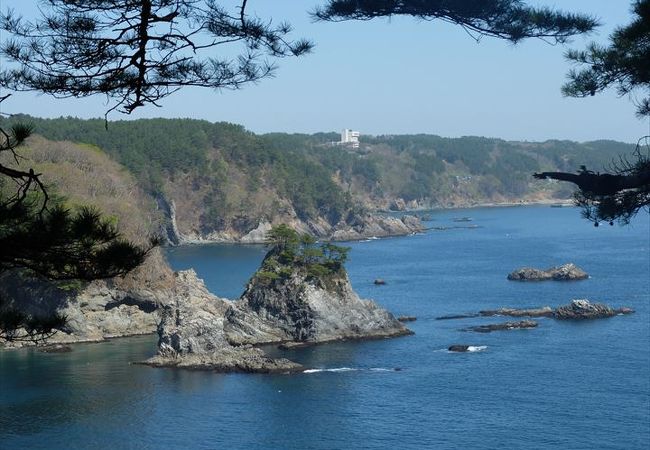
[[561, 385]]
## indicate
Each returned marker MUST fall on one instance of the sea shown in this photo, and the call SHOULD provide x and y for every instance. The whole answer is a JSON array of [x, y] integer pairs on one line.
[[562, 385]]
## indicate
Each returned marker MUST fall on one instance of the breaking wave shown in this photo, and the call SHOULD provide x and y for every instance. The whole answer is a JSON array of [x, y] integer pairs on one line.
[[351, 369]]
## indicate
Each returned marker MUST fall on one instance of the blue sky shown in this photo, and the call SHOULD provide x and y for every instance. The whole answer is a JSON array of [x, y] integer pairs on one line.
[[399, 76]]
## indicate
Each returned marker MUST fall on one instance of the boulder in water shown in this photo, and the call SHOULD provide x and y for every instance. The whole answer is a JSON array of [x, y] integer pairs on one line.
[[583, 309]]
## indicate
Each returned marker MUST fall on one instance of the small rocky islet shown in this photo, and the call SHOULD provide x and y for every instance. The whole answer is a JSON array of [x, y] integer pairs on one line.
[[565, 272], [301, 295]]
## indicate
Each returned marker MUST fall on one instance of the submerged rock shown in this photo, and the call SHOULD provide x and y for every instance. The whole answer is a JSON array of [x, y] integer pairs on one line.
[[502, 326], [565, 272], [55, 348], [545, 311], [457, 316], [407, 318], [583, 309]]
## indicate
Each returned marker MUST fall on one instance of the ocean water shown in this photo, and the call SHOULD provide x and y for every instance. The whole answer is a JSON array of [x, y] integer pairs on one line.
[[563, 385]]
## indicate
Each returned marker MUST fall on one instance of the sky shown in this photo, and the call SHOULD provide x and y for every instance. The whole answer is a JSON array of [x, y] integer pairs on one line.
[[398, 76]]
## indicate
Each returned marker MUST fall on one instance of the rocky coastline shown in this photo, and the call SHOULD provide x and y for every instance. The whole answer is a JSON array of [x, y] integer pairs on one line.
[[356, 228]]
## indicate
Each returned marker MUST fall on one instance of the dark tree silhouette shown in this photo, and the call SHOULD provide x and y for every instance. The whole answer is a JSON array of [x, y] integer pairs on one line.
[[625, 65], [512, 20], [138, 52]]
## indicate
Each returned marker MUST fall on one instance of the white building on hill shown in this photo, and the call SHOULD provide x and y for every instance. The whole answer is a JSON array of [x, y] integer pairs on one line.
[[350, 138]]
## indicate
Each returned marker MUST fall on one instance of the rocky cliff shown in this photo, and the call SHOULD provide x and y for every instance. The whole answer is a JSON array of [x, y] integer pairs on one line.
[[97, 310]]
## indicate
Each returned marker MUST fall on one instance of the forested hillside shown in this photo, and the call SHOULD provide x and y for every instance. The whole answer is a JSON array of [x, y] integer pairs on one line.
[[224, 179]]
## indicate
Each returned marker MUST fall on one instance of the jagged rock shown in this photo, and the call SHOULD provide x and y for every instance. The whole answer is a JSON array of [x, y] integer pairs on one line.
[[407, 318], [545, 311], [298, 309], [583, 309], [191, 335], [370, 225], [502, 326], [565, 272]]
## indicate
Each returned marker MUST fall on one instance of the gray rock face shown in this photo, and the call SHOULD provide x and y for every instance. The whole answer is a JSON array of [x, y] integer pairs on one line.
[[97, 311], [191, 334], [503, 326], [565, 272], [583, 309], [298, 310]]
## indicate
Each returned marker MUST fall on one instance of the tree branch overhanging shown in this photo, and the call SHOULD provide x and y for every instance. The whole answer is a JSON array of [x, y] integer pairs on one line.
[[609, 197], [138, 52], [511, 20]]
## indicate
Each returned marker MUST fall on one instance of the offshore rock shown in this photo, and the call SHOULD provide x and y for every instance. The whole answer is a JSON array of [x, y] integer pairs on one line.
[[191, 335], [302, 310], [583, 309], [502, 326], [459, 348], [565, 272]]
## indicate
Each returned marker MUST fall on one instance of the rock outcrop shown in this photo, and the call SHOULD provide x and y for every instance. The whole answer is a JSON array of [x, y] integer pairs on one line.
[[502, 326], [565, 272], [583, 309], [191, 335], [373, 225], [299, 309]]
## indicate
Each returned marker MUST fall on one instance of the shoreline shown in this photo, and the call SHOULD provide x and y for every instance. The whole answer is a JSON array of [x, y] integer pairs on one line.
[[564, 203]]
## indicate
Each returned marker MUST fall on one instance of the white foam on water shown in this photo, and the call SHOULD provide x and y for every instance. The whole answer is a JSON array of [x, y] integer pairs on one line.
[[336, 369], [350, 369], [476, 348]]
